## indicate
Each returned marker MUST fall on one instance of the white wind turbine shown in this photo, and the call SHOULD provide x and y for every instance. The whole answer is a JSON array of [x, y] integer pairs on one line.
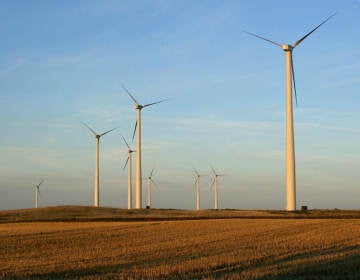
[[138, 179], [96, 178], [37, 192], [215, 184], [129, 163], [290, 151], [150, 181], [197, 182]]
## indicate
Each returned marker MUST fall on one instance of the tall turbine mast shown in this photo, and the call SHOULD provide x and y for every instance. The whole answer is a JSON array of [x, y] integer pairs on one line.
[[290, 149], [138, 179], [197, 182], [150, 180], [37, 192], [96, 177], [215, 184], [129, 163]]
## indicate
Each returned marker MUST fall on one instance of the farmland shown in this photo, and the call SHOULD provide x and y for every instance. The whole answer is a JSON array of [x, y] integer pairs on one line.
[[252, 245]]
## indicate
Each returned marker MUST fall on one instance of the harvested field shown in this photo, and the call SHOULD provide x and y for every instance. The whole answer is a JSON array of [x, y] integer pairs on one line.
[[184, 249]]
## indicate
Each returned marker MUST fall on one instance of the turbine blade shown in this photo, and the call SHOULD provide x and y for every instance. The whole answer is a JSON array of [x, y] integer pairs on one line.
[[90, 128], [293, 79], [196, 172], [212, 184], [126, 162], [255, 35], [155, 184], [126, 142], [303, 38], [42, 181], [134, 131], [132, 97], [152, 171], [213, 170], [107, 132], [150, 104]]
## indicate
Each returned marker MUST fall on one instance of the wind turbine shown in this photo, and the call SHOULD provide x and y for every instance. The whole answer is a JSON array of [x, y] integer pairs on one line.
[[96, 178], [215, 184], [290, 81], [138, 179], [37, 192], [150, 180], [197, 182], [129, 162]]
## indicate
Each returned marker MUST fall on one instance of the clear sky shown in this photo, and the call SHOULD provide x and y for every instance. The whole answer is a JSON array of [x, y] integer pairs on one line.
[[63, 62]]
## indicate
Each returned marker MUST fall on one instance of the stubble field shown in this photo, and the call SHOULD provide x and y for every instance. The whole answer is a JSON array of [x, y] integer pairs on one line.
[[182, 249]]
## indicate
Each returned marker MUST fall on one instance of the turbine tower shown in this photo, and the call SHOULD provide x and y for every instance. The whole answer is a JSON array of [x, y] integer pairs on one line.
[[129, 162], [290, 82], [138, 179], [197, 182], [150, 180], [37, 192], [215, 184], [96, 178]]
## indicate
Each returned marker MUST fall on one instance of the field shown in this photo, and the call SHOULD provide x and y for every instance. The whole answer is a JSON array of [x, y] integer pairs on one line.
[[187, 245]]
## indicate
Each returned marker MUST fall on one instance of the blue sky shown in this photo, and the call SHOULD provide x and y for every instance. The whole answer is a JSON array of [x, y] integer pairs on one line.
[[63, 63]]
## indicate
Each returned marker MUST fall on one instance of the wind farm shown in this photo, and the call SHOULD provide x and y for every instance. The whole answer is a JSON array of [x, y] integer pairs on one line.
[[138, 179], [220, 177]]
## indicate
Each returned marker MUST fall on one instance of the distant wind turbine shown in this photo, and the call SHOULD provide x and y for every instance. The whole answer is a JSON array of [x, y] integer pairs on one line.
[[138, 179], [129, 163], [215, 184], [37, 192], [290, 150], [197, 182], [96, 179], [150, 181]]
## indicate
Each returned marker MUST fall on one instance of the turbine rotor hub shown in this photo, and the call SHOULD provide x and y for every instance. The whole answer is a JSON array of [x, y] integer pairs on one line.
[[138, 106]]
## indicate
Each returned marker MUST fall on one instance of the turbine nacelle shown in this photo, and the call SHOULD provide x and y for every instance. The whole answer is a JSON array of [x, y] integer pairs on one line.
[[97, 136], [138, 106], [215, 173], [38, 185], [287, 48]]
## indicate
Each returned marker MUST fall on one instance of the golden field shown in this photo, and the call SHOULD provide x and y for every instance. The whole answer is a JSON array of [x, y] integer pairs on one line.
[[229, 248]]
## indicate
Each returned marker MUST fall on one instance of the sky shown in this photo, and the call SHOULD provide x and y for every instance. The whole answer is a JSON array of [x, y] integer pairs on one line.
[[63, 63]]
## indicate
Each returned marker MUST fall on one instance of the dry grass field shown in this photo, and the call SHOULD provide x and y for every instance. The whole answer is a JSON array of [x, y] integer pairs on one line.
[[237, 248]]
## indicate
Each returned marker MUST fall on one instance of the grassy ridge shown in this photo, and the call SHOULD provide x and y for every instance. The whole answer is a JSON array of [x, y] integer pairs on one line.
[[87, 214]]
